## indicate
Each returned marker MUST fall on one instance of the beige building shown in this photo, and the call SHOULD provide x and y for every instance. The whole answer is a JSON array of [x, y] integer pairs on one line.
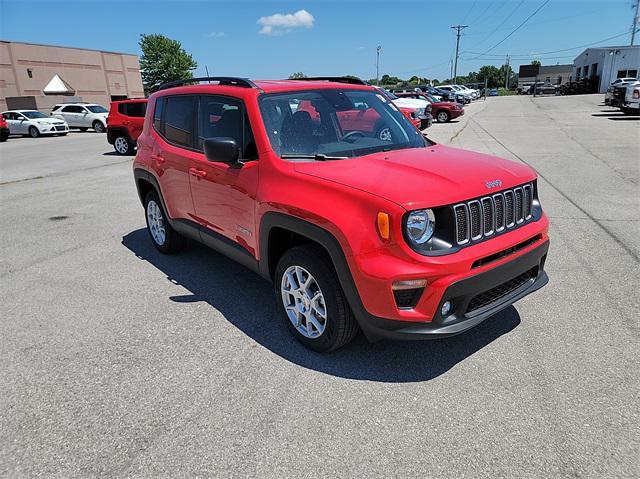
[[39, 76]]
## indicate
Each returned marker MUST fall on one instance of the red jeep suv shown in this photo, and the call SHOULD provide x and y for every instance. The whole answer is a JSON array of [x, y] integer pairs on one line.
[[124, 124], [388, 233]]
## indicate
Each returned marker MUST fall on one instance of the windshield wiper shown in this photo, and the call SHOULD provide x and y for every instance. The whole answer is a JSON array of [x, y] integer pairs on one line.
[[316, 157]]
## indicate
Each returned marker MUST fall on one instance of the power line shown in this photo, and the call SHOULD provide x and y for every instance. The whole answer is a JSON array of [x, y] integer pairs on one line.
[[518, 27], [503, 22], [528, 55], [482, 14], [470, 10]]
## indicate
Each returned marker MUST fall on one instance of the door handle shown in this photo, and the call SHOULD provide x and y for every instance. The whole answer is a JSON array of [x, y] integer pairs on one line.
[[159, 158], [197, 172]]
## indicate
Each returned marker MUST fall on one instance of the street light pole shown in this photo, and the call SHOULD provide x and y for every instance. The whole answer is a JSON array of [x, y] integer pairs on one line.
[[634, 26], [458, 29], [378, 65]]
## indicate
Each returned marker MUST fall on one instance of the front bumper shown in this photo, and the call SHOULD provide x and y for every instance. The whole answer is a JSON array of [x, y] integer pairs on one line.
[[482, 292], [53, 129]]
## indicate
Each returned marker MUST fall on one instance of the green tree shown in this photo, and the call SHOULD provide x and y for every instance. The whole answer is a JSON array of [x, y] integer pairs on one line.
[[536, 63], [163, 60], [297, 76]]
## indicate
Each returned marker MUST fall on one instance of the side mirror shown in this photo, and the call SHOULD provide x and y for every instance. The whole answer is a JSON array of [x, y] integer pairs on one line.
[[222, 149]]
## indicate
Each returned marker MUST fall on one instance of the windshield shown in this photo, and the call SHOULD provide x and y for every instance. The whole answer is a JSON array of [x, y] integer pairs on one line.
[[335, 123], [34, 114], [97, 109]]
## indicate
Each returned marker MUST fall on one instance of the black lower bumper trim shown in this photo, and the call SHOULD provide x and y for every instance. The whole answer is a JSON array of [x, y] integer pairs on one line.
[[527, 269]]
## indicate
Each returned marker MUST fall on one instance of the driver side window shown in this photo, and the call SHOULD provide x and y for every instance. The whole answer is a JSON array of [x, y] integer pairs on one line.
[[225, 117]]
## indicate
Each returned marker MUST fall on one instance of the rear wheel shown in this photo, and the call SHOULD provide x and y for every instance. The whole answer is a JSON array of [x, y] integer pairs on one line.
[[311, 301], [443, 116], [164, 237], [98, 127], [122, 145], [34, 132]]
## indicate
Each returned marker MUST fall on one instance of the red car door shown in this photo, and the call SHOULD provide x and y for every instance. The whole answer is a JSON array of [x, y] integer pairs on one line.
[[224, 195]]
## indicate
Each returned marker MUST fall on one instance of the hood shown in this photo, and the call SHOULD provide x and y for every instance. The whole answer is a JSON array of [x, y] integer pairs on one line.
[[410, 103], [54, 121], [423, 177]]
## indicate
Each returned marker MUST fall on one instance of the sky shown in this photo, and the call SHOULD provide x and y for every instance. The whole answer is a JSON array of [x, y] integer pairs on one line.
[[266, 39]]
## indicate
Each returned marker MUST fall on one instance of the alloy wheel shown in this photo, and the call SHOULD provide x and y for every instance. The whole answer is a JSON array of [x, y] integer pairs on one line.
[[121, 145], [155, 220], [304, 302]]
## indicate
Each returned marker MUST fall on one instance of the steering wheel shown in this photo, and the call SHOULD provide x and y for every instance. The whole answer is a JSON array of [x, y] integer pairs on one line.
[[352, 134]]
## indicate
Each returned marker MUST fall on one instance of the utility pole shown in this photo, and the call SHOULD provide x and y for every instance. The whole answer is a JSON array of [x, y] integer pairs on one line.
[[458, 29], [451, 69], [634, 26], [506, 71], [378, 65]]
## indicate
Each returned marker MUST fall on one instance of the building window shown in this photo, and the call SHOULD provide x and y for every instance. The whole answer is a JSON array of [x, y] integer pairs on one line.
[[29, 72], [594, 69], [585, 71], [622, 73], [632, 73]]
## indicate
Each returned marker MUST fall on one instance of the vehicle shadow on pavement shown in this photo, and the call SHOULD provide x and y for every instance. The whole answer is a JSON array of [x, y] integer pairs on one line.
[[216, 280]]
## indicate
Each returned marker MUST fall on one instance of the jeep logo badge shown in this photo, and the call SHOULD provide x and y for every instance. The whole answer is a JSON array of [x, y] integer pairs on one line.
[[493, 184]]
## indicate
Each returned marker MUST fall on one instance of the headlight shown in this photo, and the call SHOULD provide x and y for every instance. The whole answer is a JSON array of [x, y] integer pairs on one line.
[[420, 226]]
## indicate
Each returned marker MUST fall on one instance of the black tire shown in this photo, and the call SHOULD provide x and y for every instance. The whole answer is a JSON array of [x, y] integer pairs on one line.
[[34, 132], [98, 127], [3, 138], [122, 145], [173, 241], [443, 116], [84, 128], [340, 326]]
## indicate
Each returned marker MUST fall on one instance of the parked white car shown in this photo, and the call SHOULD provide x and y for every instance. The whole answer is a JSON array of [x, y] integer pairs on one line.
[[475, 94], [34, 123], [608, 96], [82, 115], [632, 99], [457, 91]]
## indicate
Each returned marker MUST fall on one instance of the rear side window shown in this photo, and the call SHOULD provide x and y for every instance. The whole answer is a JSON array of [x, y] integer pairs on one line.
[[57, 107], [73, 109], [136, 110], [178, 120], [157, 115]]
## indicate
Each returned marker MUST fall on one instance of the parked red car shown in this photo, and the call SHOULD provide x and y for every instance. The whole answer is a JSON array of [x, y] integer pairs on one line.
[[390, 234], [4, 129], [124, 124], [442, 111]]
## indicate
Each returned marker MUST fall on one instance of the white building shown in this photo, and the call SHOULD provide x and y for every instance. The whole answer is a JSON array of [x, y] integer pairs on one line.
[[608, 63]]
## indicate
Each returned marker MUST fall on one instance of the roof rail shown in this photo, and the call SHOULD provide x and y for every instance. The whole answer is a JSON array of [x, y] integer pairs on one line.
[[231, 81], [350, 80]]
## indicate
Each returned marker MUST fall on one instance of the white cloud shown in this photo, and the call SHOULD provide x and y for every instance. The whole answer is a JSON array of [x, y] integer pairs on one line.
[[283, 22], [215, 35]]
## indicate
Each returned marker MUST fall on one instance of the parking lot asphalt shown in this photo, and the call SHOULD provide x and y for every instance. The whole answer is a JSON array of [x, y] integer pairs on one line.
[[118, 361]]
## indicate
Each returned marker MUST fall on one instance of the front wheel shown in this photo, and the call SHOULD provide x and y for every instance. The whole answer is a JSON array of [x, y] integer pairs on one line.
[[98, 127], [122, 145], [34, 132], [311, 301], [443, 116], [164, 237]]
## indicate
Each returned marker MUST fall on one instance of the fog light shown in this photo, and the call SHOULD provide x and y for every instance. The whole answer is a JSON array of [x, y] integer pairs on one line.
[[446, 309]]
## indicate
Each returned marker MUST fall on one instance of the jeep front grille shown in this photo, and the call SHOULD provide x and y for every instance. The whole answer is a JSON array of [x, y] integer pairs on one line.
[[486, 216]]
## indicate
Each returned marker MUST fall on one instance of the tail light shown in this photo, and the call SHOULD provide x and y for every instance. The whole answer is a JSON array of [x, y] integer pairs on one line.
[[636, 94]]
